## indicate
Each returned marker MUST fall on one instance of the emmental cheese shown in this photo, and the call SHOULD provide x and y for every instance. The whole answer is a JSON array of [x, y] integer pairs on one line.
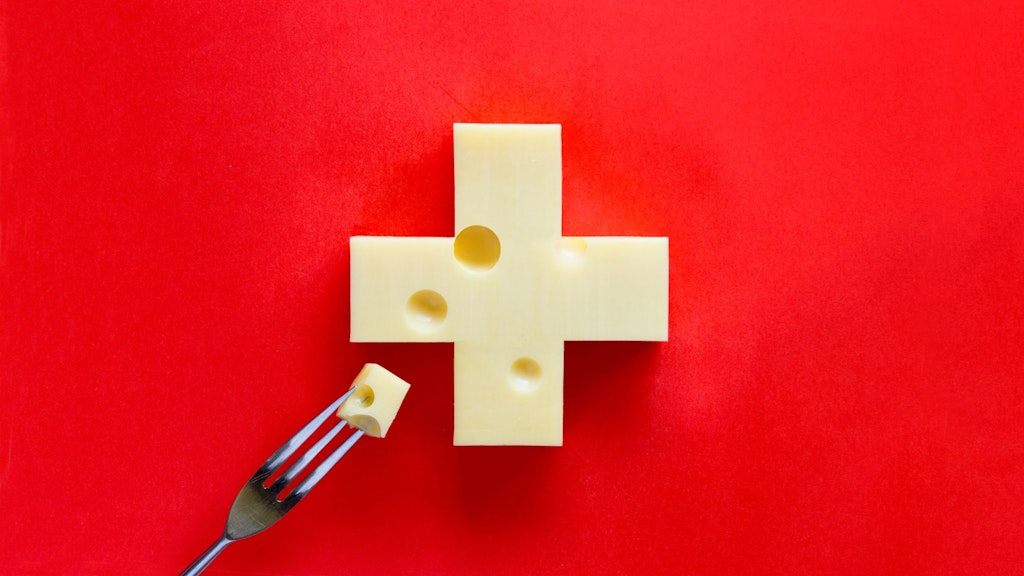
[[508, 289], [375, 400]]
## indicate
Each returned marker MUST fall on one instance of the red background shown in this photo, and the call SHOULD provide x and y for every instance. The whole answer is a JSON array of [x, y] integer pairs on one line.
[[843, 192]]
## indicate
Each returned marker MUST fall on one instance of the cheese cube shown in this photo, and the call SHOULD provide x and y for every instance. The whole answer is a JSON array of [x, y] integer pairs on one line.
[[373, 405]]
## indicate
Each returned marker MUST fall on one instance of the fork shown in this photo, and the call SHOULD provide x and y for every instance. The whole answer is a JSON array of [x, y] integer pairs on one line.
[[258, 506]]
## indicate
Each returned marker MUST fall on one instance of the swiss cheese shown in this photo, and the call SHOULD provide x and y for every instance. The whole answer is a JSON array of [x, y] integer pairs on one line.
[[508, 289], [375, 400]]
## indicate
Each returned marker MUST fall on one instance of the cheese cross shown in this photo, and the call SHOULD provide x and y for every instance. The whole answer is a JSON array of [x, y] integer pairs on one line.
[[508, 290]]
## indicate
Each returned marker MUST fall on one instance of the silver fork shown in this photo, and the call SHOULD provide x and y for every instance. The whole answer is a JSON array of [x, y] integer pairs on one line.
[[257, 506]]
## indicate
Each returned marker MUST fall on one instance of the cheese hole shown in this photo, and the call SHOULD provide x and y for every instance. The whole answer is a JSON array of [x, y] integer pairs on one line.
[[365, 423], [477, 248], [362, 397], [524, 375], [571, 249], [426, 310]]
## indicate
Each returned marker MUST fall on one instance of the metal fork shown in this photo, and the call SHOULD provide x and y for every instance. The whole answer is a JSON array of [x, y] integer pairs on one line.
[[257, 506]]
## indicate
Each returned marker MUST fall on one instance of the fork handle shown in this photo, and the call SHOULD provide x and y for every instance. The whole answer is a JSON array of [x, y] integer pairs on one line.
[[203, 561]]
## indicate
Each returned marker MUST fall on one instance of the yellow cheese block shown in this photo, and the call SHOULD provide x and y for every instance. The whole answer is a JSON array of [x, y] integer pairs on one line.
[[508, 289], [373, 405]]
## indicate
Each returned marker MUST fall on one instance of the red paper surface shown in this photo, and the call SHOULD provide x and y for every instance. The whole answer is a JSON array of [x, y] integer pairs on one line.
[[843, 192]]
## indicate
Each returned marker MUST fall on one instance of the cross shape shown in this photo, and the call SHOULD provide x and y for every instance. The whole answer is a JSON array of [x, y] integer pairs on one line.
[[508, 289]]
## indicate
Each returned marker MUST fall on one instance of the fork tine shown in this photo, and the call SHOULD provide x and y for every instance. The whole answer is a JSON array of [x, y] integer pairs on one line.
[[293, 443], [257, 507], [304, 460], [320, 471]]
